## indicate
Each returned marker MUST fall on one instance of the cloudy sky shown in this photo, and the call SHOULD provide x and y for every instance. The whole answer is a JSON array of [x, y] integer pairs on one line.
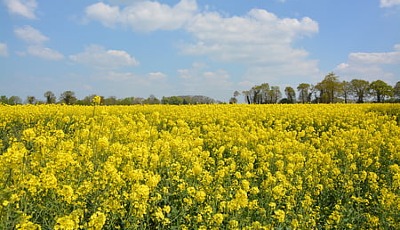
[[137, 48]]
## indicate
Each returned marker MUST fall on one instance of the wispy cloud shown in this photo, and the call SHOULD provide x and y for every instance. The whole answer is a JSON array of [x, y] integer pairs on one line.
[[30, 35], [3, 50], [25, 8], [35, 40], [143, 15], [98, 57], [389, 3], [371, 66]]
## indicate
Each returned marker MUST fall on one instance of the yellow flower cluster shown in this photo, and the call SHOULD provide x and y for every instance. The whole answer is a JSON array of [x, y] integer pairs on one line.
[[199, 167]]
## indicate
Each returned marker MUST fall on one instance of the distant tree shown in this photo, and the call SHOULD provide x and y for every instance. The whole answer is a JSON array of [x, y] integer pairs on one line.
[[262, 94], [88, 100], [110, 100], [130, 101], [236, 93], [68, 97], [31, 100], [329, 88], [247, 97], [152, 100], [14, 100], [3, 99], [173, 100], [274, 95], [290, 94], [360, 88], [304, 91], [50, 97], [346, 90], [233, 100], [396, 91], [380, 90]]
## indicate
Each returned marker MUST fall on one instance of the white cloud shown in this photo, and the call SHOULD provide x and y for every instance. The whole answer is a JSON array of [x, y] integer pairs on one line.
[[98, 57], [143, 15], [35, 40], [389, 3], [372, 66], [44, 52], [3, 50], [25, 8], [106, 14], [156, 76], [260, 40], [259, 36], [375, 58], [30, 35]]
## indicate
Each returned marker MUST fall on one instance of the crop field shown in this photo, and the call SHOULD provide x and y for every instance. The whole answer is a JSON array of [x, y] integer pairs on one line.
[[301, 166]]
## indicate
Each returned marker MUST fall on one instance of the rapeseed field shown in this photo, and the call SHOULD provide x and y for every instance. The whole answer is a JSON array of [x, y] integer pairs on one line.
[[301, 166]]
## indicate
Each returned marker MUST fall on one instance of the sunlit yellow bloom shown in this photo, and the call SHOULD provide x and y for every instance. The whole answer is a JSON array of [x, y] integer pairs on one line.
[[97, 220], [279, 215]]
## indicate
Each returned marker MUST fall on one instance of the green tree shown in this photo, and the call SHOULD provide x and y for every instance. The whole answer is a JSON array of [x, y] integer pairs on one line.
[[31, 100], [3, 99], [304, 91], [88, 100], [346, 90], [274, 94], [152, 100], [257, 94], [233, 100], [360, 88], [14, 100], [290, 94], [329, 88], [381, 90], [50, 97], [173, 100], [112, 100], [68, 97]]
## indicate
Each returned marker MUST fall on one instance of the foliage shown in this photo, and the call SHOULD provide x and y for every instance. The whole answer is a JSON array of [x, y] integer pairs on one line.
[[50, 97], [304, 92], [329, 88], [262, 94], [68, 97], [280, 166], [380, 90]]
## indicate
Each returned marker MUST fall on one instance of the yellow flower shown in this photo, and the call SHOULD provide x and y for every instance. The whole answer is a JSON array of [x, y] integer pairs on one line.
[[218, 218], [48, 181], [25, 224], [96, 100], [66, 223], [97, 220], [200, 196], [67, 192], [279, 215]]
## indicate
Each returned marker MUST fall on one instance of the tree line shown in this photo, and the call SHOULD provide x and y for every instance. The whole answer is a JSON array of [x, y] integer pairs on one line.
[[69, 98], [329, 90]]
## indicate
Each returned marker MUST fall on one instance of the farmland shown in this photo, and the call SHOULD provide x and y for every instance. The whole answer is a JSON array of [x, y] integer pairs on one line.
[[298, 166]]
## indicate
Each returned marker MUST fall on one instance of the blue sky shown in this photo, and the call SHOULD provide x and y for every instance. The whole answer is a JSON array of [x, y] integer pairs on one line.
[[137, 48]]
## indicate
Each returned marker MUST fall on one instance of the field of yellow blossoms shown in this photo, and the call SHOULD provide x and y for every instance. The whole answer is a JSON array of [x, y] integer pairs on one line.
[[200, 167]]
